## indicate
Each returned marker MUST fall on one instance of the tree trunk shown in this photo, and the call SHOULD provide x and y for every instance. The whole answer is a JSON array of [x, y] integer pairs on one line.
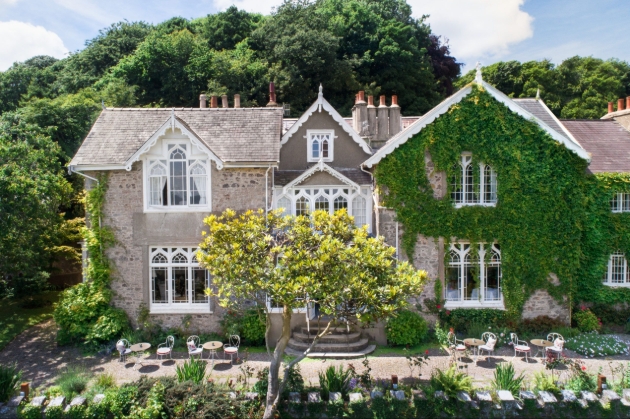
[[276, 361]]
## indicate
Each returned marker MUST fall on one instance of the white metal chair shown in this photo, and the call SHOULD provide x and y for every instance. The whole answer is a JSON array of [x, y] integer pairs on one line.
[[456, 346], [122, 346], [166, 348], [520, 346], [558, 344], [232, 348], [491, 341], [193, 346]]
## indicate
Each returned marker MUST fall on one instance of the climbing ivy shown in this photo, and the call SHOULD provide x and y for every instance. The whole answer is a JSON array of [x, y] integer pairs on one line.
[[552, 216]]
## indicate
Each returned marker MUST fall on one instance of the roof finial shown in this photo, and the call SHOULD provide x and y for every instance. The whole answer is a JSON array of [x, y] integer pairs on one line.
[[320, 98], [478, 78], [538, 93]]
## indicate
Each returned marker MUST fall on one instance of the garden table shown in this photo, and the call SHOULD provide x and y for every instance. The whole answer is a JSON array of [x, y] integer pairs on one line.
[[542, 344], [139, 349], [475, 343], [212, 347]]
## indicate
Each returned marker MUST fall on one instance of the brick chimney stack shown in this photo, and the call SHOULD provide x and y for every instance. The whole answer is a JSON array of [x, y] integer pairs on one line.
[[214, 102], [610, 107], [620, 105], [359, 114], [237, 101], [382, 121], [224, 101], [272, 96], [203, 100], [395, 122]]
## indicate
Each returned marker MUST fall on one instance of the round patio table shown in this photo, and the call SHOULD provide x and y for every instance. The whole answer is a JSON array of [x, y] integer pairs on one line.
[[542, 345], [212, 347], [475, 343], [139, 349]]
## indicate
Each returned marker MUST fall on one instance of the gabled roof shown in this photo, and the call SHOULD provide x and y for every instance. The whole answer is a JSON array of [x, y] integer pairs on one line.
[[402, 137], [234, 135], [319, 167], [318, 105], [358, 176], [606, 140]]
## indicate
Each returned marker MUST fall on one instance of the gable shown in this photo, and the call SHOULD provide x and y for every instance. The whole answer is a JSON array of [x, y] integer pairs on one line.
[[321, 178]]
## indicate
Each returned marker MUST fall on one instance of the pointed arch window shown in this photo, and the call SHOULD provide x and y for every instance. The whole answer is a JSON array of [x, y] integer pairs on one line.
[[320, 145], [473, 184]]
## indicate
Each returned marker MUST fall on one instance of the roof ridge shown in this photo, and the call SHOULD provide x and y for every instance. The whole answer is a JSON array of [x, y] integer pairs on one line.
[[192, 109]]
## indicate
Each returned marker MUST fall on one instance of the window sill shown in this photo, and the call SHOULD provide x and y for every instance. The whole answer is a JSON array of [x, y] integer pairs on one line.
[[611, 285], [314, 160], [162, 210], [474, 304], [492, 204], [170, 309]]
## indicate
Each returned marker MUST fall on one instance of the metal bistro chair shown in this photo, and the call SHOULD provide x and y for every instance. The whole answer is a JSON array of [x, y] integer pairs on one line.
[[491, 341], [456, 346], [193, 346], [122, 346], [520, 346], [558, 344], [166, 348], [232, 348]]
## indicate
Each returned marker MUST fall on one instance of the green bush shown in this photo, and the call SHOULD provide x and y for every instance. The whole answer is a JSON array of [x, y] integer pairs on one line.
[[104, 381], [55, 412], [10, 377], [120, 400], [586, 320], [334, 380], [460, 318], [253, 327], [262, 384], [610, 314], [192, 370], [407, 328], [540, 326], [73, 381], [30, 412], [545, 382], [450, 381], [505, 379]]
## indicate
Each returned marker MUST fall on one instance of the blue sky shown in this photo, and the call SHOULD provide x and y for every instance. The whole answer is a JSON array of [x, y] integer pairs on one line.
[[478, 30]]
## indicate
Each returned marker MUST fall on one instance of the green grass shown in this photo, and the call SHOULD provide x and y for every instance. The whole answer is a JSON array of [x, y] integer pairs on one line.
[[15, 319]]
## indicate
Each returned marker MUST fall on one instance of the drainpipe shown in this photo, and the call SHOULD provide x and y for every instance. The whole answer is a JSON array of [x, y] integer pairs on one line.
[[267, 190], [71, 170], [373, 198]]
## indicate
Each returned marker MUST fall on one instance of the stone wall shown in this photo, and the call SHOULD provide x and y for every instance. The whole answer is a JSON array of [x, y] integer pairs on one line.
[[540, 303]]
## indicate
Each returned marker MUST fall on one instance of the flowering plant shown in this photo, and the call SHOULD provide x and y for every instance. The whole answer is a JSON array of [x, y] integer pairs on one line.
[[586, 320]]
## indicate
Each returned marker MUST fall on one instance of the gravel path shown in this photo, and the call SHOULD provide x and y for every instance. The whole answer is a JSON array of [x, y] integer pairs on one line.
[[38, 355]]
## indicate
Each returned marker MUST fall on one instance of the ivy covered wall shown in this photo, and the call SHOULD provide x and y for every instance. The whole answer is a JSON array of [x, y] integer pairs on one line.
[[552, 216]]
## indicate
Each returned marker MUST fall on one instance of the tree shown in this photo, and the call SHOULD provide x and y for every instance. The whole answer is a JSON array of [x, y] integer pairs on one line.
[[225, 30], [300, 261]]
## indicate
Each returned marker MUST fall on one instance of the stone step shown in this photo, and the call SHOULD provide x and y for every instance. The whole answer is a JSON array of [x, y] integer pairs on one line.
[[330, 347], [334, 355], [346, 338], [314, 330]]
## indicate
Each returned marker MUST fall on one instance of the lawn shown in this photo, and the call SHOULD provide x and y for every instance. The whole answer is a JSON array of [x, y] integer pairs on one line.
[[14, 319], [593, 344]]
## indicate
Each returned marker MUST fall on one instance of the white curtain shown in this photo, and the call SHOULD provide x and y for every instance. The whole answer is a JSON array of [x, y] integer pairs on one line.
[[200, 188]]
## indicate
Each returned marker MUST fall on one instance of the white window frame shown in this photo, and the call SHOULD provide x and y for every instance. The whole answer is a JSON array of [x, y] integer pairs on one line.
[[462, 250], [170, 306], [163, 159], [310, 136], [620, 202], [278, 309], [469, 194], [617, 261], [311, 193]]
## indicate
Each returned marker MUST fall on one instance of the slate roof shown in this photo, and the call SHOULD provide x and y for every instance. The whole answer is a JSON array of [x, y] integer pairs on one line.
[[540, 111], [606, 140], [287, 123], [284, 177], [232, 134]]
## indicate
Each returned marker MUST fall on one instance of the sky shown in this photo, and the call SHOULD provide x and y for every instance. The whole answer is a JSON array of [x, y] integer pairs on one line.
[[477, 30]]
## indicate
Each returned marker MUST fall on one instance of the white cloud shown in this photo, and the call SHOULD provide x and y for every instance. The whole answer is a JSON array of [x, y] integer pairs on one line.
[[21, 41], [257, 6], [89, 10], [477, 29]]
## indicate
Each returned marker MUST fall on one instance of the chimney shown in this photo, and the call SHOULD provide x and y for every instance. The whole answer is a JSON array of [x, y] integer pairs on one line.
[[610, 107], [371, 115], [213, 102], [359, 114], [224, 101], [395, 123], [237, 101], [202, 101], [382, 121], [272, 95], [628, 102], [620, 104]]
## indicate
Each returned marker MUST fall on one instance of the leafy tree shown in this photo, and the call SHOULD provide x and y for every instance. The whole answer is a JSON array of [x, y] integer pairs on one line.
[[15, 82], [298, 261], [225, 30]]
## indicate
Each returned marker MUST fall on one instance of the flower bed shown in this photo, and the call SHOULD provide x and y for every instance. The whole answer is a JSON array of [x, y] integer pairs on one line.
[[593, 344]]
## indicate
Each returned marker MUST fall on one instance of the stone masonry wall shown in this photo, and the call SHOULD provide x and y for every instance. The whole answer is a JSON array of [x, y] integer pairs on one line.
[[540, 303]]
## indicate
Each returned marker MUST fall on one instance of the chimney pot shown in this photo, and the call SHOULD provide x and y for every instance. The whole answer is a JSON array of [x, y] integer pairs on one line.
[[224, 101], [382, 101], [213, 102], [237, 101], [394, 100], [610, 107], [361, 96], [272, 95], [202, 100], [620, 104], [628, 102], [370, 100]]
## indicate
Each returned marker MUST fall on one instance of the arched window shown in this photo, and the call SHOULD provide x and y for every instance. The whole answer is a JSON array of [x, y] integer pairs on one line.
[[178, 172], [320, 145], [302, 206], [492, 281], [157, 183], [325, 149], [285, 203], [340, 203], [359, 209], [321, 203], [466, 189], [472, 279], [315, 149], [453, 272], [489, 185], [198, 184]]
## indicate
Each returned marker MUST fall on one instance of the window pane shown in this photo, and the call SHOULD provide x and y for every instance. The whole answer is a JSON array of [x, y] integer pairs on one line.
[[180, 285], [471, 281], [315, 149], [452, 283], [178, 183], [302, 206], [359, 209], [626, 202], [490, 185], [198, 190], [285, 203], [321, 203], [469, 185], [340, 202], [199, 285], [159, 287], [618, 274], [325, 149], [615, 205], [493, 275]]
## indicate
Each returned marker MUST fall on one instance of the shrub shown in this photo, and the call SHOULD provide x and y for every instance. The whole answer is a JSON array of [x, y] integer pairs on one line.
[[295, 381], [104, 381], [541, 325], [10, 377], [120, 400], [30, 412], [407, 328], [334, 380], [586, 320], [254, 327], [73, 381], [262, 384], [460, 318], [476, 329], [192, 370], [450, 381], [505, 379], [579, 379], [610, 314], [545, 382], [55, 412]]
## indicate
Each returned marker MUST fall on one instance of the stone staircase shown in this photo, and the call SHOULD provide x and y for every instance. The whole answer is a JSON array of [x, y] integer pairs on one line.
[[338, 343]]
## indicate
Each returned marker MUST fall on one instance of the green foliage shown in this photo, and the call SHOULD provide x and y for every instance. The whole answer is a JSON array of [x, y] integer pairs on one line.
[[579, 379], [120, 400], [545, 382], [461, 318], [334, 380], [54, 412], [250, 326], [586, 320], [593, 344], [192, 370], [295, 381], [505, 379], [441, 334], [540, 326], [262, 384], [104, 381], [406, 328], [73, 381], [611, 314], [30, 412], [10, 377], [450, 381], [154, 408]]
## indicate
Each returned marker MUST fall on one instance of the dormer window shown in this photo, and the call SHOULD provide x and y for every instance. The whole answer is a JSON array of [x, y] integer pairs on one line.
[[320, 145], [178, 181], [467, 190]]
